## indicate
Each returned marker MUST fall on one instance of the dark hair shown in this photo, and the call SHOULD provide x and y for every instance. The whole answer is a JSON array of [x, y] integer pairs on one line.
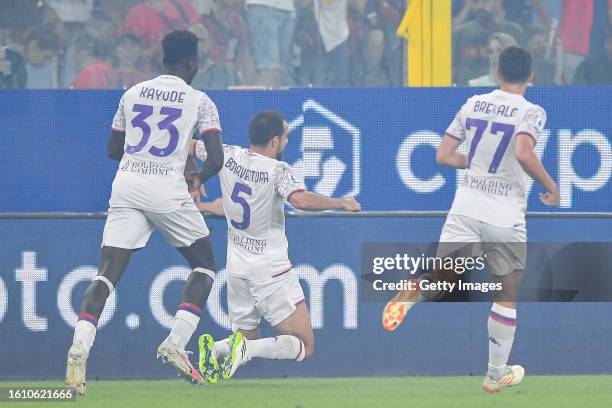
[[45, 37], [88, 42], [264, 126], [515, 65], [180, 46]]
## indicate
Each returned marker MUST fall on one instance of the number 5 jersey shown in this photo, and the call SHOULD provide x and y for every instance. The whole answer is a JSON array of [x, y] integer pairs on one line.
[[254, 189]]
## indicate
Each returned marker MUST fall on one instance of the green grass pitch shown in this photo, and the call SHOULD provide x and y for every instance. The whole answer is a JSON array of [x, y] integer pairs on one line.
[[410, 392]]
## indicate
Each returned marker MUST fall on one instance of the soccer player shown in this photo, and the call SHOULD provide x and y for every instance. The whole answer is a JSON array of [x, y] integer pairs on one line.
[[151, 137], [500, 129], [261, 281]]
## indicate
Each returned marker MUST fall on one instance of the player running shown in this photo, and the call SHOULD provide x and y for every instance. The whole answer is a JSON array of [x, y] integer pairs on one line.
[[261, 281], [501, 129], [151, 137]]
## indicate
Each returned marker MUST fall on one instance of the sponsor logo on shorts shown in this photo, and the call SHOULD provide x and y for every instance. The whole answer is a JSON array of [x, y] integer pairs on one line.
[[145, 167]]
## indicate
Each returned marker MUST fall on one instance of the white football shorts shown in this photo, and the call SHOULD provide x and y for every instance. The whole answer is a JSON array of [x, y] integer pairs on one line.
[[274, 300], [505, 248], [130, 228]]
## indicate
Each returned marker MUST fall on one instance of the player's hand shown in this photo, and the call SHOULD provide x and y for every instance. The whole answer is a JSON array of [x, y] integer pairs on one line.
[[551, 198], [350, 204]]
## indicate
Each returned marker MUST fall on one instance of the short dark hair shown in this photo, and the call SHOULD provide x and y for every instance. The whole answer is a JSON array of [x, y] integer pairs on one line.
[[180, 46], [515, 65], [264, 126], [89, 43], [45, 37]]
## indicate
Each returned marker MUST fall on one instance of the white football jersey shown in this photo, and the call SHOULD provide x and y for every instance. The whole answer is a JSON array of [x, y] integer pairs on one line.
[[159, 118], [494, 187], [254, 189]]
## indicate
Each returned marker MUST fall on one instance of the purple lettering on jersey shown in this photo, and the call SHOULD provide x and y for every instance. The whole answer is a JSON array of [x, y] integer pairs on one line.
[[172, 114], [180, 98], [246, 216], [150, 93], [144, 111], [481, 126], [143, 92]]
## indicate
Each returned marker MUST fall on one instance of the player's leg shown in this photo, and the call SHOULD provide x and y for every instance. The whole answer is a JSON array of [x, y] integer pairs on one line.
[[506, 261], [458, 236], [186, 230], [281, 302], [125, 230], [226, 355]]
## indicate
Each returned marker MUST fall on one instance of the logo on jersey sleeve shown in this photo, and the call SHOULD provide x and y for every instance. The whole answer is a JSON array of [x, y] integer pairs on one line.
[[324, 149]]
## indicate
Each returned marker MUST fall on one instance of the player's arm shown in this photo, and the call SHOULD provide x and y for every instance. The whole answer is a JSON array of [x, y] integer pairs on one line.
[[209, 132], [291, 190], [309, 201], [116, 142], [214, 155], [447, 154], [215, 207], [530, 163]]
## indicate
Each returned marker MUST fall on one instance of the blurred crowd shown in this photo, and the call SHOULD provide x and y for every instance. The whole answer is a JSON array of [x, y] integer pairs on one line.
[[291, 43], [570, 40]]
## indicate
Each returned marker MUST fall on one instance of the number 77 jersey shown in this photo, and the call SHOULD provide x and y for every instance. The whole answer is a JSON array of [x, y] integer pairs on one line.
[[493, 189], [159, 118], [254, 189]]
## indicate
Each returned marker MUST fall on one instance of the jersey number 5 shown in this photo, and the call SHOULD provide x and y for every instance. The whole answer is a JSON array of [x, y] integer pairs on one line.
[[144, 111], [496, 127], [246, 216]]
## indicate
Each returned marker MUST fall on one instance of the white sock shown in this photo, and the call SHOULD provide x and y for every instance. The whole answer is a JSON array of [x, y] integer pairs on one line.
[[222, 349], [184, 326], [282, 347], [84, 335], [501, 324]]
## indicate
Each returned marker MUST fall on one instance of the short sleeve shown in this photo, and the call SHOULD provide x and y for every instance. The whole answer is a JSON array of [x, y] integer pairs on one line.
[[119, 119], [533, 123], [285, 182], [456, 130], [200, 153], [208, 117]]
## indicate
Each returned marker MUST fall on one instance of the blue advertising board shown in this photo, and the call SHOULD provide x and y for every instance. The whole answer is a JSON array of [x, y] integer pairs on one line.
[[377, 144], [47, 264]]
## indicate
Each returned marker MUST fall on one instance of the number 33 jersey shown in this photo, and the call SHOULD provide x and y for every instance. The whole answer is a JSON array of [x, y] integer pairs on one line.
[[493, 189], [159, 118], [254, 189]]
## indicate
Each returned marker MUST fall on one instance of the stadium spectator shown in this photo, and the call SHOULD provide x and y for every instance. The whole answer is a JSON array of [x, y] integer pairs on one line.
[[127, 65], [543, 67], [497, 43], [580, 25], [12, 66], [485, 18], [212, 75], [596, 69], [229, 38], [41, 51], [271, 27], [78, 11], [150, 20], [93, 71], [324, 33], [366, 42]]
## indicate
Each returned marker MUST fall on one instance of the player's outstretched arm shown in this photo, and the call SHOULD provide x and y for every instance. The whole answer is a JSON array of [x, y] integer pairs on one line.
[[447, 154], [529, 161], [214, 158], [309, 201], [116, 142]]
